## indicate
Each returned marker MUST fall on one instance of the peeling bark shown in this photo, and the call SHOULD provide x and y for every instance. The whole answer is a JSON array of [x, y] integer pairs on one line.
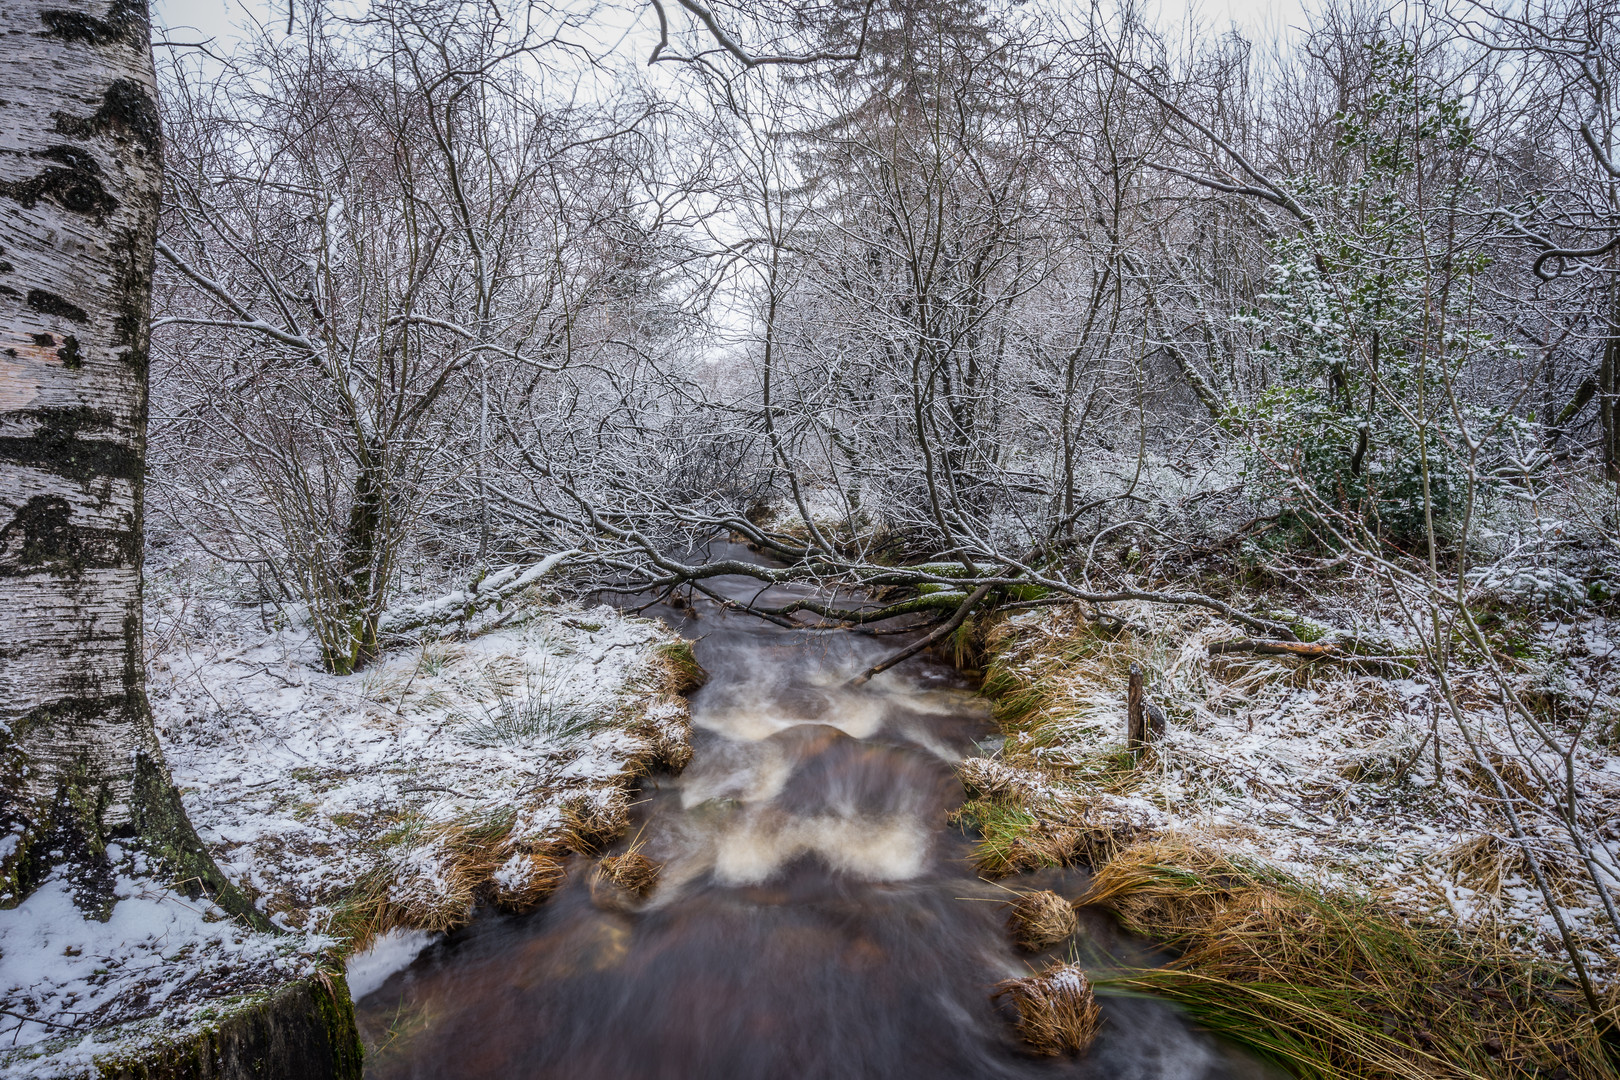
[[80, 175]]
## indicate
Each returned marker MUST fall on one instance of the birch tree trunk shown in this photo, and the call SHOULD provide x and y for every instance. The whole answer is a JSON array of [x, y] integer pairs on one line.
[[80, 174]]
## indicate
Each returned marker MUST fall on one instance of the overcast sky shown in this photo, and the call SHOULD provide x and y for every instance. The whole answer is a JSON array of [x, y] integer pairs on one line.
[[192, 20]]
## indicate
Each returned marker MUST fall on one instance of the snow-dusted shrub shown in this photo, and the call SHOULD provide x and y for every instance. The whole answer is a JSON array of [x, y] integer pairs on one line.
[[1539, 588], [1363, 328]]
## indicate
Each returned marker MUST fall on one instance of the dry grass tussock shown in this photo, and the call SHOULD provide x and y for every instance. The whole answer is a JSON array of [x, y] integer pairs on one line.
[[431, 877], [679, 671], [1057, 1011], [632, 871], [619, 881], [431, 874], [594, 819], [1334, 985], [1041, 919], [1026, 822]]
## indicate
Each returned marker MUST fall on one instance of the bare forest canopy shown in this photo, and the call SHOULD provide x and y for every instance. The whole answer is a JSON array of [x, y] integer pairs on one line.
[[997, 303]]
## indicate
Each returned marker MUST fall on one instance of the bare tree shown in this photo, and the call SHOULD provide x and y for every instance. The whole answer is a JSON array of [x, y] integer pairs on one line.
[[371, 221]]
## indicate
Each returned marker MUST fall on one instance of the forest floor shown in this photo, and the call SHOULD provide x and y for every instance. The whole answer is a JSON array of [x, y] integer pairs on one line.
[[455, 769]]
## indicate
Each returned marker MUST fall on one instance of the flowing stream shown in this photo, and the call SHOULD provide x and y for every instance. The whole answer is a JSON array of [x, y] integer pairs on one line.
[[816, 916]]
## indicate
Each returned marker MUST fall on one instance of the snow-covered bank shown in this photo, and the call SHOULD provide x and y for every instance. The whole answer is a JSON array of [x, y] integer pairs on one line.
[[1330, 773], [66, 981], [447, 772], [353, 804]]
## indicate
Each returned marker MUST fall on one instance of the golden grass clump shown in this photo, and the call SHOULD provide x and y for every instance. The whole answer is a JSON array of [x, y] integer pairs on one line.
[[1335, 985], [632, 871], [667, 727], [526, 878], [1041, 919], [619, 882], [1014, 839], [1081, 830], [680, 672], [428, 881], [1057, 1011], [672, 752], [593, 819]]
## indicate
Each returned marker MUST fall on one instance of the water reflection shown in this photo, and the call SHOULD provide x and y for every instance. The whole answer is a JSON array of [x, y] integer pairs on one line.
[[815, 917]]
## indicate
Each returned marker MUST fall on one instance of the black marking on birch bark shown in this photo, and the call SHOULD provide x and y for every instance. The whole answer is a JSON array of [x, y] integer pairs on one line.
[[126, 21], [126, 111], [42, 538], [134, 667], [77, 844], [48, 303], [67, 828], [66, 832], [75, 185], [57, 447], [68, 353], [134, 323]]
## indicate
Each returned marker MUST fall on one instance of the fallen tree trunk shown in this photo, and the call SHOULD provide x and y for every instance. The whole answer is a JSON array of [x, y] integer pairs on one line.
[[463, 604]]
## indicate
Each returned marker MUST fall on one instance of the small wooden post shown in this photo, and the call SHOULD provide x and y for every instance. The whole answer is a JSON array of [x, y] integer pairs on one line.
[[1136, 715]]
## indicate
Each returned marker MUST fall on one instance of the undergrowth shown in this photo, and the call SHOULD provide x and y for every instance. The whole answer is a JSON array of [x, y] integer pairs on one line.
[[1336, 985], [1332, 984]]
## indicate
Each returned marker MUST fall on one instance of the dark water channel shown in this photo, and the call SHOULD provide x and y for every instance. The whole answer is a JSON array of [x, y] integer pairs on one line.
[[816, 916]]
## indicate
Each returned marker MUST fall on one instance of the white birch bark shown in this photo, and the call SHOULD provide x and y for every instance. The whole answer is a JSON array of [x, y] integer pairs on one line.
[[80, 176]]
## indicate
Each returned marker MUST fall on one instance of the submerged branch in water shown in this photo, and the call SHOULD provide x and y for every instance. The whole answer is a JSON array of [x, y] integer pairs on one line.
[[927, 640]]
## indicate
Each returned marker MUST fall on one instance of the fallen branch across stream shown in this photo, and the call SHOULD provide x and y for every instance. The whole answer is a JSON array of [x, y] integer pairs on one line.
[[926, 640]]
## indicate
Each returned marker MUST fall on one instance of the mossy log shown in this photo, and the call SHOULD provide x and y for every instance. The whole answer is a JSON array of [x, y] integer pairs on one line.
[[304, 1030]]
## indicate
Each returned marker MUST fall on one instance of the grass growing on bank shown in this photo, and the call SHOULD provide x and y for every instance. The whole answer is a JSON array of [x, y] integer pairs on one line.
[[1335, 985], [1277, 772], [682, 672]]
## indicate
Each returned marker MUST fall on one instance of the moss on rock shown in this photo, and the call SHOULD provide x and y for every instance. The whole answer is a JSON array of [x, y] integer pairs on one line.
[[303, 1029]]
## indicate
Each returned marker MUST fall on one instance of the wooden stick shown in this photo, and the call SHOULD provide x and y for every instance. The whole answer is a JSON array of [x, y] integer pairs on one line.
[[1136, 715], [1273, 648]]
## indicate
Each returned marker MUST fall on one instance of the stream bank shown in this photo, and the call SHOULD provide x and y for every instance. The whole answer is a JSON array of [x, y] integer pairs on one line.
[[446, 774], [1317, 847], [814, 914]]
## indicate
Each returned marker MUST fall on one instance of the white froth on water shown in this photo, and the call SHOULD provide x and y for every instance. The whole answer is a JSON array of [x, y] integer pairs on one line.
[[892, 848]]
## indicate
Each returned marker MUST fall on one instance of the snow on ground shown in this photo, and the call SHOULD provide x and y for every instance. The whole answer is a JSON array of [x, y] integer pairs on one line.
[[379, 805], [64, 979], [410, 776], [1327, 772]]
